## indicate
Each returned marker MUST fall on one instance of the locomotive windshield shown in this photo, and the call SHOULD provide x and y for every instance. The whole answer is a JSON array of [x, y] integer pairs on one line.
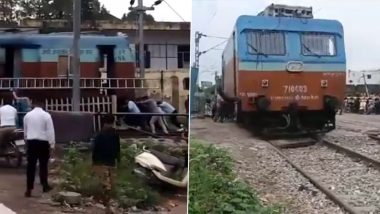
[[318, 44], [265, 42]]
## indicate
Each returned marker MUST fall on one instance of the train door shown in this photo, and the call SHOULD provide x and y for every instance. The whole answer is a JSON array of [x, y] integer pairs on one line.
[[107, 62], [11, 63]]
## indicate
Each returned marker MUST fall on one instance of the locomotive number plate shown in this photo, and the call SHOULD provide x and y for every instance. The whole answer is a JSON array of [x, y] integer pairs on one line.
[[289, 89]]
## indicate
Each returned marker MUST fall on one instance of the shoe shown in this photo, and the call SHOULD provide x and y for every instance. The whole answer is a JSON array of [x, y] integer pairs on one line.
[[28, 193], [46, 189]]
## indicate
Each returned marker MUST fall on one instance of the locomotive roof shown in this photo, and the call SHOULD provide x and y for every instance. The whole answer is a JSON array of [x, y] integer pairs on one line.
[[288, 24], [59, 40]]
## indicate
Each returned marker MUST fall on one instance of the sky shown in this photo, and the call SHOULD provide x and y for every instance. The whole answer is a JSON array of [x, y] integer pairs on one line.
[[162, 12], [359, 19]]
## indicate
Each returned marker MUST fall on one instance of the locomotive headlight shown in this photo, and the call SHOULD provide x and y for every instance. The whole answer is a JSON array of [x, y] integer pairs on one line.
[[265, 83], [324, 83], [294, 66]]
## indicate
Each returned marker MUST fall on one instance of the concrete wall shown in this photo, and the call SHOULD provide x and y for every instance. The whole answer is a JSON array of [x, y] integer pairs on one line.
[[173, 93], [158, 42]]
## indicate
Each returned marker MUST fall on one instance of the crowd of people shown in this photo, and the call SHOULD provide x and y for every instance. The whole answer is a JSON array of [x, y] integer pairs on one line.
[[150, 105], [39, 136], [361, 105]]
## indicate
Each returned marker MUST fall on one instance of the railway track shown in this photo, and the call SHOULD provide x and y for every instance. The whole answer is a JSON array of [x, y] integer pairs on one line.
[[349, 178]]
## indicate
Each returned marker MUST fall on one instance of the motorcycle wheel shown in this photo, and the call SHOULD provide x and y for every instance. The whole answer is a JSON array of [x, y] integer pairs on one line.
[[13, 155]]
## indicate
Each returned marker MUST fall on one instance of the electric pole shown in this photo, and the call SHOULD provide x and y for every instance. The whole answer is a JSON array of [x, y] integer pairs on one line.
[[198, 36], [141, 10], [365, 85], [75, 62]]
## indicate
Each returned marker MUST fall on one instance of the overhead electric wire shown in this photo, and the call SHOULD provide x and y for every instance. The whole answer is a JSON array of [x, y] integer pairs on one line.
[[213, 47], [174, 11], [217, 37]]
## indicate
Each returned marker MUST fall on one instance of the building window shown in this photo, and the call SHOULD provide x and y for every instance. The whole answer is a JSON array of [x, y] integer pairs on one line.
[[146, 54], [183, 56], [318, 44], [266, 42], [186, 83]]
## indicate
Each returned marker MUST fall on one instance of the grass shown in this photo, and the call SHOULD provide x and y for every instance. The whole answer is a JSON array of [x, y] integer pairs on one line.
[[129, 189], [214, 187]]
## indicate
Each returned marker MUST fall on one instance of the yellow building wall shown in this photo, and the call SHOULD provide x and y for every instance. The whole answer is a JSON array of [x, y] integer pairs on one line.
[[174, 90]]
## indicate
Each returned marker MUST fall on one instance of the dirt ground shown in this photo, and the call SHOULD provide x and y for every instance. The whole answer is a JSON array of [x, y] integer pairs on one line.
[[12, 188]]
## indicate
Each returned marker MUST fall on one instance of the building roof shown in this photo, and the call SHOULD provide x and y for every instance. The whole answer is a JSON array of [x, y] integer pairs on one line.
[[107, 25]]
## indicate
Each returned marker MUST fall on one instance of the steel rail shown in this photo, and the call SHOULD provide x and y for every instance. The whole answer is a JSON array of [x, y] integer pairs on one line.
[[317, 183]]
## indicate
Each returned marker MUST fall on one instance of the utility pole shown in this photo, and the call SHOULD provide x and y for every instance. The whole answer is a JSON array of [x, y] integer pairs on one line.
[[141, 10], [75, 65], [198, 36], [365, 85], [216, 83]]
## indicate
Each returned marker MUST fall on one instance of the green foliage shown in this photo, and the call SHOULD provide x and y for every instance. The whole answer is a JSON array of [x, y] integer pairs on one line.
[[129, 190], [214, 187], [8, 13], [77, 175], [133, 16], [60, 9]]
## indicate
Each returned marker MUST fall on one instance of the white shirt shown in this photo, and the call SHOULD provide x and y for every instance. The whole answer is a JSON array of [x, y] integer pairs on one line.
[[133, 107], [166, 107], [8, 115], [38, 125], [362, 105]]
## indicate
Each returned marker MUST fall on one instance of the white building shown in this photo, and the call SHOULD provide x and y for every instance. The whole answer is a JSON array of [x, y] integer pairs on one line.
[[371, 77]]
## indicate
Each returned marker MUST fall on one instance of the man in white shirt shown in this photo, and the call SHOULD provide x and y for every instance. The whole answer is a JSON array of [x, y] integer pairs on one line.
[[40, 139], [8, 118], [169, 109]]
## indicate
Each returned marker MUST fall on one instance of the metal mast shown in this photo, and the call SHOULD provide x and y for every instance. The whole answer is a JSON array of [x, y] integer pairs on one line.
[[141, 10], [75, 65]]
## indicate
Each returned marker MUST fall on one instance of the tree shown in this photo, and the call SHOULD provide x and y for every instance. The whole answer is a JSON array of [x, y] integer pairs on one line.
[[37, 9], [61, 9], [8, 12], [133, 16]]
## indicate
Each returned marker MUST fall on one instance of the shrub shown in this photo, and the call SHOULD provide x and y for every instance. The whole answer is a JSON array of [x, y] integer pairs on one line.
[[214, 187], [129, 190]]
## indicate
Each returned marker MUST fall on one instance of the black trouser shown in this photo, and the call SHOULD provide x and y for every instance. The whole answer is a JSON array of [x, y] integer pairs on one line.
[[174, 120], [37, 150], [135, 120]]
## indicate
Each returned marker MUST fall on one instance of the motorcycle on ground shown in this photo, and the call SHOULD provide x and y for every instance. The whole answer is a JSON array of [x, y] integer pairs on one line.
[[159, 168], [13, 150]]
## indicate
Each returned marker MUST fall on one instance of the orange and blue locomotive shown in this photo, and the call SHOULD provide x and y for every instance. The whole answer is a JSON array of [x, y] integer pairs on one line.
[[288, 72]]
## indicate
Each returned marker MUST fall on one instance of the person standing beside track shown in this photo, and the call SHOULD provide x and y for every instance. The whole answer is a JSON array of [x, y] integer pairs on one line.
[[40, 140], [105, 155], [219, 104]]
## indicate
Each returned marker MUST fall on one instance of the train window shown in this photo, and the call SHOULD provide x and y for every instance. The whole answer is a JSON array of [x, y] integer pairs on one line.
[[318, 44], [266, 42]]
